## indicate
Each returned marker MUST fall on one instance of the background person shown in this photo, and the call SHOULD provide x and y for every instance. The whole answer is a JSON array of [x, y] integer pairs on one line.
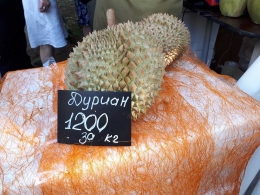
[[45, 28], [82, 11]]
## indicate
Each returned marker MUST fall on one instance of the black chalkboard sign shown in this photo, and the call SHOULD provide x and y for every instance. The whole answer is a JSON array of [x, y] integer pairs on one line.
[[94, 118]]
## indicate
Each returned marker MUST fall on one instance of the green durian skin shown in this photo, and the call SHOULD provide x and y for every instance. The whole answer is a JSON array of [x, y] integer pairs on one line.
[[128, 57], [121, 58], [170, 32]]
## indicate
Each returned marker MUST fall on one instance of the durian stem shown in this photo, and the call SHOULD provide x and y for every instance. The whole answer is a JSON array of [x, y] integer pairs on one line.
[[111, 21]]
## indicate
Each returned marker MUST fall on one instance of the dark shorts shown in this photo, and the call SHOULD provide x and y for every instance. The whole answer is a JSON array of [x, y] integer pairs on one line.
[[13, 44], [82, 13]]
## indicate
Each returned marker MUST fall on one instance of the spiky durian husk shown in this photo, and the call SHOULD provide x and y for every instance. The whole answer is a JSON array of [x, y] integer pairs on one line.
[[121, 58], [170, 32]]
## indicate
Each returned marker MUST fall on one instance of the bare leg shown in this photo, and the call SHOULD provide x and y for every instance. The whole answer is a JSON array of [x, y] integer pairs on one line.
[[46, 51], [86, 30]]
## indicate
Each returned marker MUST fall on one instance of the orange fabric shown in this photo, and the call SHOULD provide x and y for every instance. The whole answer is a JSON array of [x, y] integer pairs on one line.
[[196, 139]]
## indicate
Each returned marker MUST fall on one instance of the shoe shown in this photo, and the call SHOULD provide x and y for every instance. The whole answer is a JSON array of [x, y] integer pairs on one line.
[[49, 62]]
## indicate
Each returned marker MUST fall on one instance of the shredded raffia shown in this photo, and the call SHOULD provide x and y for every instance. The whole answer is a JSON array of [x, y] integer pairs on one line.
[[196, 139]]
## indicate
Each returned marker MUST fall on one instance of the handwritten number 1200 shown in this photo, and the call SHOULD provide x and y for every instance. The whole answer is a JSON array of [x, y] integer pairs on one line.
[[84, 119]]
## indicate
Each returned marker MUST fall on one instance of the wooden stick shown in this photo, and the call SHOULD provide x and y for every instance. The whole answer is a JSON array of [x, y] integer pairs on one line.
[[111, 19]]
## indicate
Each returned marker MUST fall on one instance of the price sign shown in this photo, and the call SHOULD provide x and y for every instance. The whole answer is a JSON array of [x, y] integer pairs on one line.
[[94, 118]]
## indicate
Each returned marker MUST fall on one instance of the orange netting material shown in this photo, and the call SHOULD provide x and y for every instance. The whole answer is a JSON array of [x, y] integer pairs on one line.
[[196, 139]]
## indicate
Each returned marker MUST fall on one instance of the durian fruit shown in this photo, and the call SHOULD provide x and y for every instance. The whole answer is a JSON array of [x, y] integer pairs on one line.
[[170, 32], [120, 58]]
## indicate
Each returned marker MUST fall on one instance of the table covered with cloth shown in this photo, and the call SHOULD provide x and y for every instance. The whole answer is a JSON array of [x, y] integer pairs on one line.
[[197, 138]]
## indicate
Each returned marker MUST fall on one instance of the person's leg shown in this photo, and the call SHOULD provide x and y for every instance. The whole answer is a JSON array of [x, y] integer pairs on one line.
[[82, 12], [47, 53]]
